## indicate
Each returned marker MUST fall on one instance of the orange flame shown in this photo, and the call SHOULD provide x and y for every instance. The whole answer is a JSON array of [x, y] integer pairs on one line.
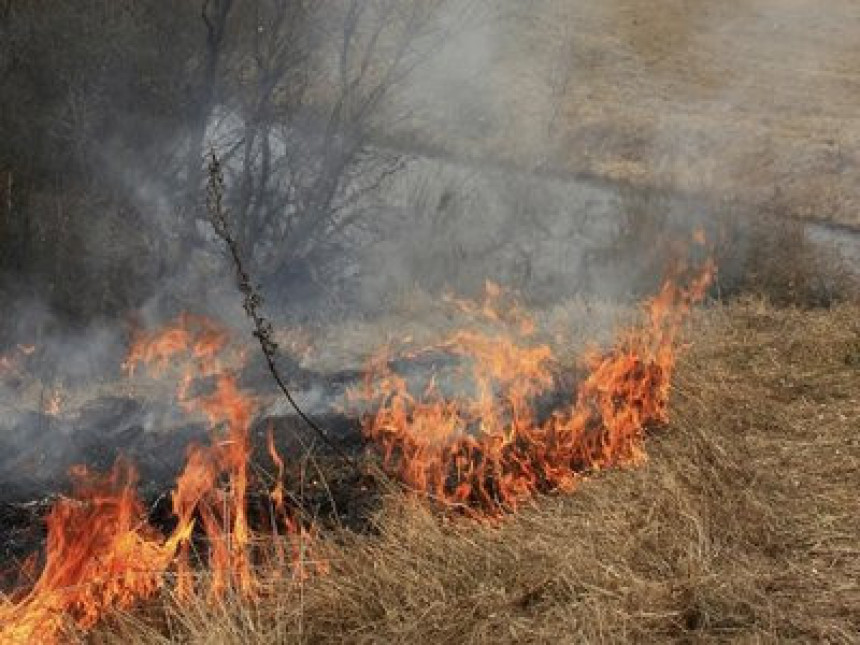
[[485, 452], [102, 555], [488, 453], [301, 540]]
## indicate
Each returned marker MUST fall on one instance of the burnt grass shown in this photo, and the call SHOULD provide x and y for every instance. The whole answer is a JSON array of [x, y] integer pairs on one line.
[[107, 431], [322, 488]]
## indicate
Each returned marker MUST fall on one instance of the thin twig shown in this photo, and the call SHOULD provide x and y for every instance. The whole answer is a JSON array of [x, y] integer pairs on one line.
[[253, 300]]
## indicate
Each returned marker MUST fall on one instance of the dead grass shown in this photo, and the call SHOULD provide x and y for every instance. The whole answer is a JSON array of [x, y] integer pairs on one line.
[[750, 98], [742, 528], [776, 259]]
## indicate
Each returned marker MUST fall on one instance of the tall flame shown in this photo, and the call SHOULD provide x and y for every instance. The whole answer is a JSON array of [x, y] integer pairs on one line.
[[485, 451], [488, 452], [101, 554]]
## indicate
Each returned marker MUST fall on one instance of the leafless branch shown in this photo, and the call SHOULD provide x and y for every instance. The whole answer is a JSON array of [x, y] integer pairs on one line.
[[253, 301]]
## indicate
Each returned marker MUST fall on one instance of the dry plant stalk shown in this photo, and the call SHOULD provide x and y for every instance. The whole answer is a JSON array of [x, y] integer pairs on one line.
[[253, 301]]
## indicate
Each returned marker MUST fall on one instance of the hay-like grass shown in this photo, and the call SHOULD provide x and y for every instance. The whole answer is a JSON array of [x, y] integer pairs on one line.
[[743, 526]]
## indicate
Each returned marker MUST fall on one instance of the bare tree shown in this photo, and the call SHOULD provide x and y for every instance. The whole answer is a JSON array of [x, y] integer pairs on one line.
[[113, 101], [215, 15], [310, 88]]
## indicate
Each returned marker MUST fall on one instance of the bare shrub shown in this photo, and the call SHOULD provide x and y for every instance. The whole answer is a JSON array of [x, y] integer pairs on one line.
[[775, 257], [759, 253]]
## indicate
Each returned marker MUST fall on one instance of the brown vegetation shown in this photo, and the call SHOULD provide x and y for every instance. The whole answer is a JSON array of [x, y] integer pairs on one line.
[[742, 527], [754, 99], [739, 117]]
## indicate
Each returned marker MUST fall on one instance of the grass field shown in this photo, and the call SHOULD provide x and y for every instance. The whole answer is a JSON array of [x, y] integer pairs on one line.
[[744, 99], [742, 527], [744, 524]]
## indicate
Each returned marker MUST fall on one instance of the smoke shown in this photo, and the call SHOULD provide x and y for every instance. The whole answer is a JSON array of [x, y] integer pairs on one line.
[[692, 116], [558, 148]]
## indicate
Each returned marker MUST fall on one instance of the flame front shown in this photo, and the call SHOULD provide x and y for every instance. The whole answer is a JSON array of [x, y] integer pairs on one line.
[[101, 553], [485, 451], [488, 453]]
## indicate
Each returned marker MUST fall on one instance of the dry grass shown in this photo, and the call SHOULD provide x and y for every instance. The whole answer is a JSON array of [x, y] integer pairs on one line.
[[743, 527], [779, 261], [750, 98]]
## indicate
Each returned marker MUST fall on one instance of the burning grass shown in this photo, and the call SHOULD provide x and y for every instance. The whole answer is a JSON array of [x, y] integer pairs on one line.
[[102, 554], [742, 526], [703, 541], [489, 452]]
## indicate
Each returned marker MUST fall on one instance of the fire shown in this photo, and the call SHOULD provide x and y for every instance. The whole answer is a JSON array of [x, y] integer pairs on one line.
[[229, 409], [303, 556], [102, 554], [488, 452]]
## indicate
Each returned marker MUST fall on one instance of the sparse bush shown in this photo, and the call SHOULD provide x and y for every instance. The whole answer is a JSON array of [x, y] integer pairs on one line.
[[774, 257], [764, 254]]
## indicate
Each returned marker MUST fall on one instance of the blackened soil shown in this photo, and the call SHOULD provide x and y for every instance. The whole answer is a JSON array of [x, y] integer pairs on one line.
[[37, 452]]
